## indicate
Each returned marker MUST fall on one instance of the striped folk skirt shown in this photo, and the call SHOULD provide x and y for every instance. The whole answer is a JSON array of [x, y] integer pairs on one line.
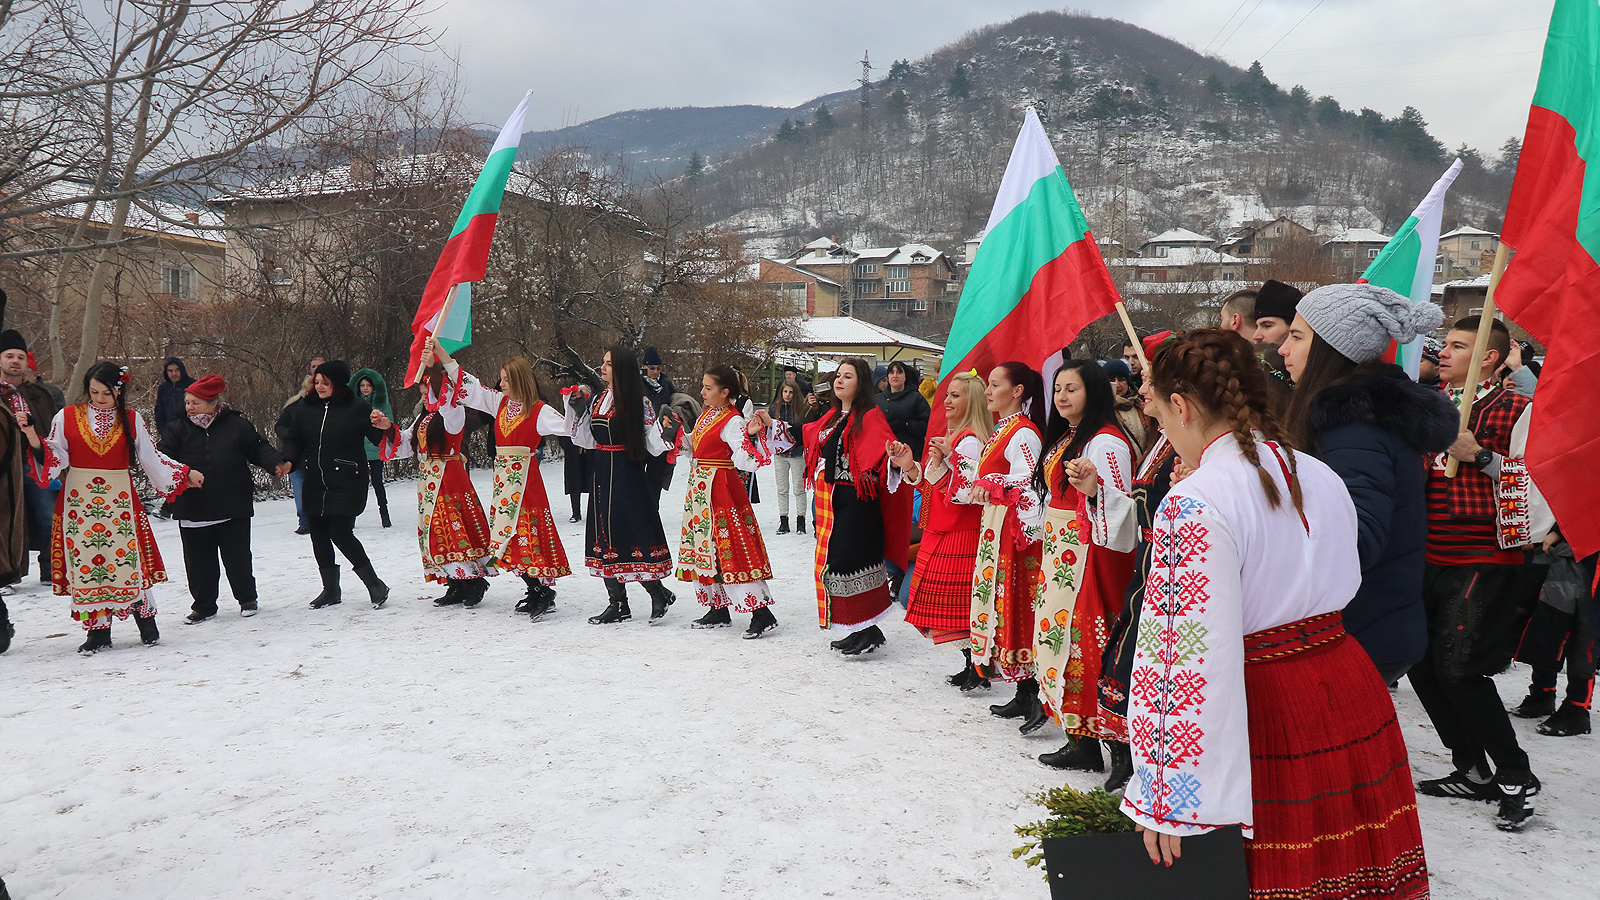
[[940, 605], [1335, 810]]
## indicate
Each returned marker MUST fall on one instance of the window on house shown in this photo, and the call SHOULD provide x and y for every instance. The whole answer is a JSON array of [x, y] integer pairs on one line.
[[1477, 245], [1147, 276], [1161, 251], [894, 305], [867, 288], [1277, 229], [899, 287], [1372, 252], [1438, 268], [898, 271], [951, 287], [793, 293], [919, 306], [178, 281], [867, 269], [1230, 276]]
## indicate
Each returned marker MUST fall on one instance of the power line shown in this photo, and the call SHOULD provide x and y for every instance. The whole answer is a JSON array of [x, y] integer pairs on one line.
[[1239, 26], [1291, 29], [1207, 48]]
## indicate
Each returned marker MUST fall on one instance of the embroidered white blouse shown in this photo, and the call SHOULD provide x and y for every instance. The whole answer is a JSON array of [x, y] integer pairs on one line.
[[954, 476], [1224, 565], [487, 399], [577, 421], [1113, 518], [1022, 457], [164, 474]]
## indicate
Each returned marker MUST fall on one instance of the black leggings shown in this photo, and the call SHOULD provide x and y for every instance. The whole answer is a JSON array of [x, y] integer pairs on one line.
[[375, 470], [328, 532]]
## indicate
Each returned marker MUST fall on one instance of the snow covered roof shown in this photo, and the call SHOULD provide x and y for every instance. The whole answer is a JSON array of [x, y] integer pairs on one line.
[[1180, 256], [1183, 287], [849, 331], [145, 213], [1358, 236], [892, 256], [1468, 231], [820, 244], [1482, 281], [793, 267], [1179, 236]]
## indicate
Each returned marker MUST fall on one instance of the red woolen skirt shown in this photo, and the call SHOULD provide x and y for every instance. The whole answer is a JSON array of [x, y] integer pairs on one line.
[[1335, 810], [940, 604]]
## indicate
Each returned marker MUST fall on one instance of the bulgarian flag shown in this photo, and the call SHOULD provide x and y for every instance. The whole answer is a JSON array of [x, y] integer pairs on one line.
[[1405, 264], [1037, 278], [466, 254], [1552, 286]]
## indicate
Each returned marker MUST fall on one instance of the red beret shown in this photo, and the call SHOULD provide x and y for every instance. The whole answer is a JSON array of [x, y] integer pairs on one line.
[[1154, 342], [208, 388]]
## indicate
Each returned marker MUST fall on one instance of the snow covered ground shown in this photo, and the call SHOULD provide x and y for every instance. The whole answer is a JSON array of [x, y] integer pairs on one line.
[[451, 753]]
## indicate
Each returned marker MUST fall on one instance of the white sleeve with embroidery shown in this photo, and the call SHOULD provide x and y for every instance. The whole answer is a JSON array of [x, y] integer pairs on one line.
[[733, 434], [1518, 481], [1187, 726], [57, 459], [1023, 455], [654, 443], [550, 423], [963, 470], [1113, 465], [399, 447], [578, 408], [164, 474], [474, 394]]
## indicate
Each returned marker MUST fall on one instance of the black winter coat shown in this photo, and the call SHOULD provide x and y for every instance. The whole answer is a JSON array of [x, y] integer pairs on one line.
[[1374, 432], [169, 398], [223, 453], [907, 412], [325, 439]]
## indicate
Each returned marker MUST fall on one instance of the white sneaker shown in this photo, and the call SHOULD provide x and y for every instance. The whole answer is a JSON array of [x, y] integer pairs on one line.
[[7, 591], [247, 613]]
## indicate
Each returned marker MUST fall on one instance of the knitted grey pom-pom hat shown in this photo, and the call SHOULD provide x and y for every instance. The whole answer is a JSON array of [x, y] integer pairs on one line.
[[1359, 320]]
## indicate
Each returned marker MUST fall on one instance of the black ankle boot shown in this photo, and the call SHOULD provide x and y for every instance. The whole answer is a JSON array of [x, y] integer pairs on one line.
[[377, 591], [761, 622], [1121, 766], [616, 610], [783, 525], [383, 514], [99, 639], [330, 588], [1082, 754], [452, 594], [1571, 719], [714, 618], [868, 640], [800, 524], [148, 632], [1020, 705], [1036, 716], [1536, 705], [472, 591], [544, 604], [660, 599], [527, 603], [965, 675]]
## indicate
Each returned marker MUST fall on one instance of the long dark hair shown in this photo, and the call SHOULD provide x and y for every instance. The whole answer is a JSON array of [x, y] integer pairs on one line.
[[627, 401], [866, 393], [1219, 370], [1032, 383], [110, 375], [796, 407], [1099, 408], [433, 378], [727, 378], [1325, 367]]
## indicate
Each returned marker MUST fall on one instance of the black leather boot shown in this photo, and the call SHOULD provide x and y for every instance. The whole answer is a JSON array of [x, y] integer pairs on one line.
[[962, 677], [330, 588], [452, 594], [383, 514], [148, 632], [1036, 716], [1082, 754], [473, 590], [1021, 704], [377, 591], [783, 525], [1121, 766], [7, 630], [617, 610], [800, 524], [660, 599], [867, 640], [99, 639], [714, 618], [761, 622]]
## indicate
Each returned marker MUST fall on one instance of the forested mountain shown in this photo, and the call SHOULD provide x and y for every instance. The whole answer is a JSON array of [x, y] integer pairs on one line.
[[1194, 142]]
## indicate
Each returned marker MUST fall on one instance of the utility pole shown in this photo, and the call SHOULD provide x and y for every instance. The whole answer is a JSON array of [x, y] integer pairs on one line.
[[865, 81], [1122, 158]]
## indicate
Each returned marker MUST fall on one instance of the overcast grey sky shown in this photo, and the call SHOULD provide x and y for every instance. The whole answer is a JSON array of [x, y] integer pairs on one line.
[[1468, 65]]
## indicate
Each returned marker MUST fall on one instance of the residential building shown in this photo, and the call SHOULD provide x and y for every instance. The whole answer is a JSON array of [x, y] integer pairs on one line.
[[840, 337], [807, 291], [1175, 239], [881, 284], [1263, 237], [1465, 253], [1352, 250], [1163, 264]]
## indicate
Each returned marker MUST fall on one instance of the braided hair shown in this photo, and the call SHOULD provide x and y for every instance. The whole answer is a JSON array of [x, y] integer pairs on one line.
[[111, 376], [1218, 370]]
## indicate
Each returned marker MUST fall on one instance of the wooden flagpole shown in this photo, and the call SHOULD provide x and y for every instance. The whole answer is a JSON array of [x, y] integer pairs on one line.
[[444, 313], [1133, 337], [1480, 346]]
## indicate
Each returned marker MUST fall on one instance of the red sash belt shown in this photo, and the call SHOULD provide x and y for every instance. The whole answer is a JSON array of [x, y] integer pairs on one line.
[[1275, 643], [617, 447], [715, 463]]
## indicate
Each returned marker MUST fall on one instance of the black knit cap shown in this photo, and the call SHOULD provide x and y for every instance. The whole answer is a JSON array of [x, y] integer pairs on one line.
[[338, 372], [651, 357], [11, 339], [1277, 300]]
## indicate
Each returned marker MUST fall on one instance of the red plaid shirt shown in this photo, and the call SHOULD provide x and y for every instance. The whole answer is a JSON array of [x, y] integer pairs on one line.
[[1462, 510]]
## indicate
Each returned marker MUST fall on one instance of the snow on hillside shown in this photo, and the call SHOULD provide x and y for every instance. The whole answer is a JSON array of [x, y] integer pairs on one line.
[[419, 752]]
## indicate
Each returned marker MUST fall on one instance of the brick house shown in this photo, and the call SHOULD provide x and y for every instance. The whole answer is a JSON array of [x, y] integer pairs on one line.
[[1466, 252], [1262, 237], [880, 284]]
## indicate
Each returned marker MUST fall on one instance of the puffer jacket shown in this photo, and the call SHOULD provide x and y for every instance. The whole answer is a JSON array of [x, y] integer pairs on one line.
[[324, 439]]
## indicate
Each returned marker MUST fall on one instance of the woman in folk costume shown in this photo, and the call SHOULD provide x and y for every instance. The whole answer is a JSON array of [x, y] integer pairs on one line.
[[103, 554], [521, 527], [1081, 585], [623, 534], [1006, 569], [940, 602], [861, 519], [721, 550], [452, 531], [1249, 704]]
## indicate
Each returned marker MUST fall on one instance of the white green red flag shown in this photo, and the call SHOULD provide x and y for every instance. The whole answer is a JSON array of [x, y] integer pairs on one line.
[[1405, 265], [466, 253], [1552, 286], [1038, 277]]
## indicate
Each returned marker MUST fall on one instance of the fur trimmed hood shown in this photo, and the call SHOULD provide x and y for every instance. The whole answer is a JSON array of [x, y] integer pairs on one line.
[[1421, 416]]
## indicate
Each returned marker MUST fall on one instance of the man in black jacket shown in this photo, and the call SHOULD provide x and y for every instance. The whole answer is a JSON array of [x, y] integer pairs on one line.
[[34, 410], [214, 520]]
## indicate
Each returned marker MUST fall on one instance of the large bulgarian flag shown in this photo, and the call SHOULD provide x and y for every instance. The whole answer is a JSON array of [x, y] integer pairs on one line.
[[1405, 264], [1552, 286], [466, 254], [1038, 277]]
